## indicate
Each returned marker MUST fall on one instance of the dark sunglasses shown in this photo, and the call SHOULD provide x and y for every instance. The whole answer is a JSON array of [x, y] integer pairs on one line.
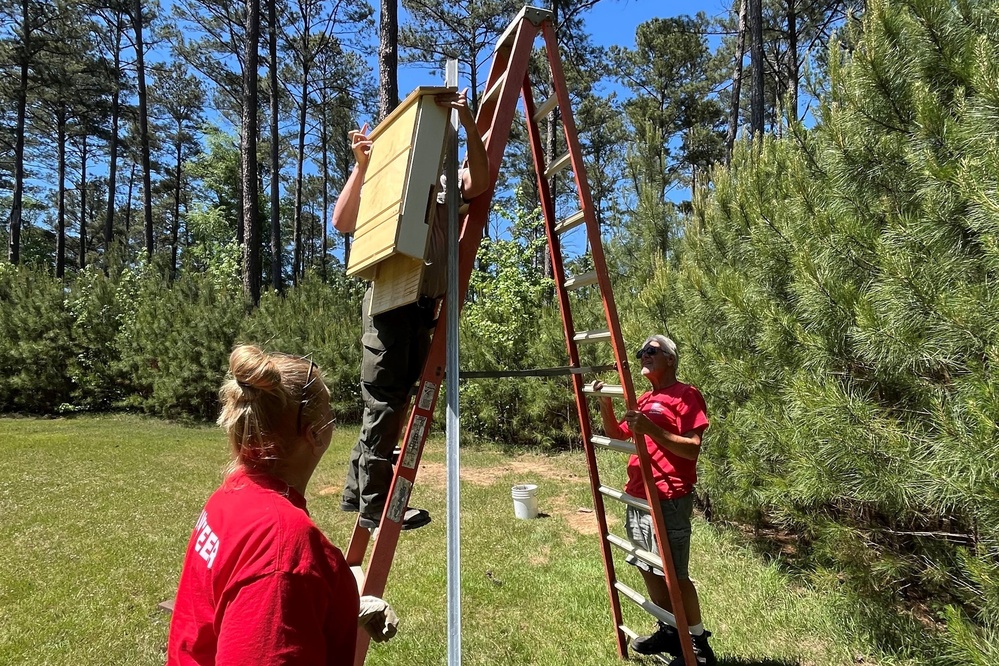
[[305, 395], [648, 351]]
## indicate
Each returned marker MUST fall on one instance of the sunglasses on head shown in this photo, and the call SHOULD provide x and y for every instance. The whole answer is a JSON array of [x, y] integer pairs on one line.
[[648, 351]]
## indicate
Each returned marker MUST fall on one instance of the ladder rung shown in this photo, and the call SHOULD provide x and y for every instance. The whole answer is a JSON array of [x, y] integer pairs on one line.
[[592, 336], [542, 111], [611, 391], [646, 556], [558, 165], [621, 445], [624, 497], [590, 369], [358, 576], [485, 136], [491, 94], [647, 606], [581, 280], [570, 222]]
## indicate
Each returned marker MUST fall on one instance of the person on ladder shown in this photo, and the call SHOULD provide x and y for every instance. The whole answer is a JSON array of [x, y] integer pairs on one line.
[[396, 343], [672, 417]]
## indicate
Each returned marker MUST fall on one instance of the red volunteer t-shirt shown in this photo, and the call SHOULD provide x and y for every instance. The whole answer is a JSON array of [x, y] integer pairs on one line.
[[261, 584], [679, 409]]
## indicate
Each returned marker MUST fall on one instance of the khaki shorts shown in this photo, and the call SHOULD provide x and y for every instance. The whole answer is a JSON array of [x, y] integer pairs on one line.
[[676, 516]]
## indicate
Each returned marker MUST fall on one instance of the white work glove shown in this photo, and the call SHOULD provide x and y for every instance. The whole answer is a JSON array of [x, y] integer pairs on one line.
[[377, 618]]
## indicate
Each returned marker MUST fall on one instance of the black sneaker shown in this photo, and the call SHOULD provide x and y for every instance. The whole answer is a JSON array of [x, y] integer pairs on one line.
[[349, 507], [703, 653], [664, 639], [414, 518]]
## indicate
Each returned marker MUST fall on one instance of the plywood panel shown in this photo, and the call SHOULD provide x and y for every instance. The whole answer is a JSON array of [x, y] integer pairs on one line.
[[397, 193], [396, 282]]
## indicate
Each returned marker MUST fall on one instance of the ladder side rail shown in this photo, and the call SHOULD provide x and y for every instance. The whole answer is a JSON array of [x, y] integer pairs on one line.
[[413, 442], [586, 205], [558, 268], [603, 278]]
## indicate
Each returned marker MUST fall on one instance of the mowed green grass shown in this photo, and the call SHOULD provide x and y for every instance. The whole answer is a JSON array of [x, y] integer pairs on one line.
[[96, 513]]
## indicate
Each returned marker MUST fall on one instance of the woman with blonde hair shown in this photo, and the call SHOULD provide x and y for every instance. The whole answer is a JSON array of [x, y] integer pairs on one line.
[[261, 584]]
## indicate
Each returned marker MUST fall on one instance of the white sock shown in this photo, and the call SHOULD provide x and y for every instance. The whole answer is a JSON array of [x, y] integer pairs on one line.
[[697, 629]]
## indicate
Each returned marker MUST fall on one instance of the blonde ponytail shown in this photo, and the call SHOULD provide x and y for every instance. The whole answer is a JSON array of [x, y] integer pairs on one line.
[[260, 401]]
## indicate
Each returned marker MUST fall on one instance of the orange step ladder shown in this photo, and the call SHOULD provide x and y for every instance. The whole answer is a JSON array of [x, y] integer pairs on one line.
[[509, 79]]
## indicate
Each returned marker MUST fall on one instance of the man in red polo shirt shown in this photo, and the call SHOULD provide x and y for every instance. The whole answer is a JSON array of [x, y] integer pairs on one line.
[[672, 417]]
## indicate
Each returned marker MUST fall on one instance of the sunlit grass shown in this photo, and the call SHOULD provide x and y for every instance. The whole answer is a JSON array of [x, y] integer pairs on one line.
[[97, 512]]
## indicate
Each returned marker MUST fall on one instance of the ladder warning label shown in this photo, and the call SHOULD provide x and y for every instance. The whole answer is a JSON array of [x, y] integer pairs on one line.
[[400, 498], [427, 395], [413, 443]]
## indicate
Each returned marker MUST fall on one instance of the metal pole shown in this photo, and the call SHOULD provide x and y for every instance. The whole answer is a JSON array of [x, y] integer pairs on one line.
[[451, 446]]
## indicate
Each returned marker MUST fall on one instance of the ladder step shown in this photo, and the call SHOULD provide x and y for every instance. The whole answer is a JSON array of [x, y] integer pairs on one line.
[[492, 94], [590, 369], [646, 556], [608, 391], [620, 445], [570, 222], [581, 280], [647, 606], [542, 111], [358, 576], [592, 336], [624, 497], [558, 165]]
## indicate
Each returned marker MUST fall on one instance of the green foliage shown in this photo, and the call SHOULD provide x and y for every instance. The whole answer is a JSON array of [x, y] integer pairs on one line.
[[321, 320], [35, 343], [96, 307], [510, 325], [834, 297], [175, 344]]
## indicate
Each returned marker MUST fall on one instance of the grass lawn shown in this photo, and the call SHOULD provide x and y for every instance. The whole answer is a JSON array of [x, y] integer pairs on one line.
[[97, 512]]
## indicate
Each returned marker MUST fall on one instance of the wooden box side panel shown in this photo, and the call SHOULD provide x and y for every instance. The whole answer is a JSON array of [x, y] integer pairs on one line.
[[396, 282], [382, 193], [425, 162]]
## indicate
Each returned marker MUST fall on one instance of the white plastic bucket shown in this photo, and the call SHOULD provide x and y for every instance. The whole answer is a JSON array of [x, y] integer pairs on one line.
[[525, 501]]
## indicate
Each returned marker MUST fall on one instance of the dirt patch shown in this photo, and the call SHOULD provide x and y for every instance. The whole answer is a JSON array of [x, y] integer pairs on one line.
[[330, 490], [435, 474], [539, 557], [583, 520], [432, 474]]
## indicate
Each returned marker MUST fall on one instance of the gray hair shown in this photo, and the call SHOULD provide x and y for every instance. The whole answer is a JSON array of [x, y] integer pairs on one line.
[[666, 345]]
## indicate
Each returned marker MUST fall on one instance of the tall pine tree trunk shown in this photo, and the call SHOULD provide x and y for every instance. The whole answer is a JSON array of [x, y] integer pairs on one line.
[[140, 75], [756, 62], [740, 52], [324, 136], [83, 202], [61, 195], [249, 175], [792, 60], [175, 230], [128, 207], [304, 101], [113, 141], [14, 239], [388, 58], [275, 139]]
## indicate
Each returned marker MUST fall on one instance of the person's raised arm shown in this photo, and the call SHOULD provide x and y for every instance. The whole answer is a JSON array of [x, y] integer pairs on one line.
[[349, 201], [475, 178]]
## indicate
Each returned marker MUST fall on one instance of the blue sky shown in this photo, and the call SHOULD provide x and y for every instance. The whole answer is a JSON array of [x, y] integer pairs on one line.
[[608, 22]]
